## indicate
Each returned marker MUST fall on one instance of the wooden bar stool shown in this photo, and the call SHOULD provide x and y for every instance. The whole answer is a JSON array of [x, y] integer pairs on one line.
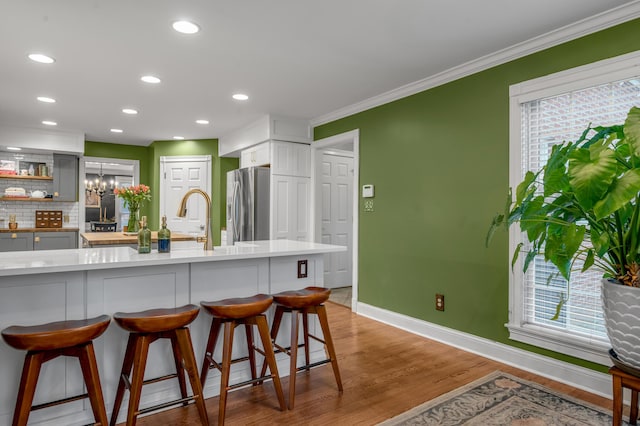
[[306, 301], [233, 312], [621, 380], [49, 341], [145, 328]]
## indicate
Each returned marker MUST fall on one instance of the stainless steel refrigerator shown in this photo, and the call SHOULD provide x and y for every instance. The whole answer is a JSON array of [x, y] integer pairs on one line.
[[248, 204]]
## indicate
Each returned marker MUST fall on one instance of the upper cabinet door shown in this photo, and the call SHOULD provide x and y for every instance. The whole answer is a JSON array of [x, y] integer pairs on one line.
[[258, 155], [290, 159], [65, 177]]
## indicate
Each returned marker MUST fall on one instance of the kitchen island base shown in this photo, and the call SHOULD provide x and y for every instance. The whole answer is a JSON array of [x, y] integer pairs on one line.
[[89, 291]]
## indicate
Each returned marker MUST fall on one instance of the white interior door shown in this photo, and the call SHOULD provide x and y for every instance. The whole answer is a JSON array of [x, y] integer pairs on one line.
[[178, 175], [336, 181]]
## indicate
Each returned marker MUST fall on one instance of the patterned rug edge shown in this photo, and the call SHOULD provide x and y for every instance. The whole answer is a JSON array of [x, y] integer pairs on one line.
[[464, 388]]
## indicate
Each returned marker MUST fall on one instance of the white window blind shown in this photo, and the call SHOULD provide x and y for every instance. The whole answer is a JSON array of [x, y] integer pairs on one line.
[[544, 123]]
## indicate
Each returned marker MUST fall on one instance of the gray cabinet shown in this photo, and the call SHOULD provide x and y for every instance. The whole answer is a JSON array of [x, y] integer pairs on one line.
[[27, 241], [55, 240], [16, 241], [65, 177]]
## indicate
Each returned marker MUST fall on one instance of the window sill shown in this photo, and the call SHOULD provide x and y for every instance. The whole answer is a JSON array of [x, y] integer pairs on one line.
[[583, 348]]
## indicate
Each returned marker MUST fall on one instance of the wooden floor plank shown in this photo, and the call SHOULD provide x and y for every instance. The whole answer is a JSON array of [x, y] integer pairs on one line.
[[385, 371]]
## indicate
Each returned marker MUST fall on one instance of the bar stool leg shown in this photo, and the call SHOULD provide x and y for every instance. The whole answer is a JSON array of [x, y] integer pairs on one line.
[[293, 365], [30, 372], [277, 319], [324, 323], [270, 358], [183, 337], [633, 413], [179, 368], [208, 352], [87, 358], [305, 333], [127, 365], [252, 354], [140, 363], [229, 326]]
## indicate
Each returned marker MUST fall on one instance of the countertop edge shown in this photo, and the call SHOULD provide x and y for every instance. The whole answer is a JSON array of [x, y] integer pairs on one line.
[[100, 258]]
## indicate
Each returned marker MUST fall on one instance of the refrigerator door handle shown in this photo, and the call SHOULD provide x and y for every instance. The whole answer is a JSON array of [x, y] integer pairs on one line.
[[234, 207]]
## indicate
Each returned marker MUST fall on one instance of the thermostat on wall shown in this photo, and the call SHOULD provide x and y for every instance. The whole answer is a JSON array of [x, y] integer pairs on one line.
[[367, 191]]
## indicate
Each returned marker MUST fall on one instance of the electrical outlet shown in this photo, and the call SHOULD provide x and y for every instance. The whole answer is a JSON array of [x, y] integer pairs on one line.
[[439, 302], [368, 205]]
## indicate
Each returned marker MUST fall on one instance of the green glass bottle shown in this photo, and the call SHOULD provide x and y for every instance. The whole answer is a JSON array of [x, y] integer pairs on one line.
[[144, 237], [164, 237]]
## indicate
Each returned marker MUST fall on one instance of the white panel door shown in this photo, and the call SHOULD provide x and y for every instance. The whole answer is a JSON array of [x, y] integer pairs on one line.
[[336, 217], [178, 175]]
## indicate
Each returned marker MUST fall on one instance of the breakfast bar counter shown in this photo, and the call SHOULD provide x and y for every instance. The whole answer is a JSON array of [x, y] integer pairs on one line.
[[85, 283]]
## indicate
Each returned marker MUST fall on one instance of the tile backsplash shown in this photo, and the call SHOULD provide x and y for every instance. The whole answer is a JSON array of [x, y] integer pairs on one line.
[[25, 211]]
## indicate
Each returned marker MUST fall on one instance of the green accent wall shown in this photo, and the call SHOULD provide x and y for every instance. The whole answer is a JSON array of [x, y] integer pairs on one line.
[[440, 163], [149, 158]]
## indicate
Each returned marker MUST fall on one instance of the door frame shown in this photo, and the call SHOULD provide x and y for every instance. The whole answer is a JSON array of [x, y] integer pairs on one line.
[[352, 136], [82, 173]]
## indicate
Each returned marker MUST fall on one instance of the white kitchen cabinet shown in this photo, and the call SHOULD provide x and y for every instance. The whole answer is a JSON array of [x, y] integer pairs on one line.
[[258, 155], [290, 159], [290, 207]]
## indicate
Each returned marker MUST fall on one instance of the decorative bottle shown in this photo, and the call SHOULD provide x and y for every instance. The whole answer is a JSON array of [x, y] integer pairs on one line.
[[164, 237], [144, 237]]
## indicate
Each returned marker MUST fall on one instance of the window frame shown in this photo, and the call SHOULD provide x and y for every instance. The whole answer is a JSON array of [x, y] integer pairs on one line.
[[601, 72]]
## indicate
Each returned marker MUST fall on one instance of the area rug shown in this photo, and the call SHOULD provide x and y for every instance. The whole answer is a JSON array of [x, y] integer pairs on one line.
[[502, 399]]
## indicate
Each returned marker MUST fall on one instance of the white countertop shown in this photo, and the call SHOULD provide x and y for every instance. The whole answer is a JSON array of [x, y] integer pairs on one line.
[[51, 261]]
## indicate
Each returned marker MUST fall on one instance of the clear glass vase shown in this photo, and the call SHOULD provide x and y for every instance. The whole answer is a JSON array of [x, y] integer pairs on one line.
[[134, 220]]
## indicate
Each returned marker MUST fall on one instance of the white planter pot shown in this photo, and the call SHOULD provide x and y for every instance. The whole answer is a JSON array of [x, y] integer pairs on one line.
[[621, 307]]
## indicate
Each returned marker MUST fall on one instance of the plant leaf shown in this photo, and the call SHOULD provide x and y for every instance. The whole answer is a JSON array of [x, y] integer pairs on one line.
[[559, 306], [588, 262], [523, 188], [622, 190], [516, 253], [591, 172], [632, 129]]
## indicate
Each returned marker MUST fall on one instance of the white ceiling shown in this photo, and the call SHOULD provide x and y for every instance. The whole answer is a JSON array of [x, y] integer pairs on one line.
[[296, 58]]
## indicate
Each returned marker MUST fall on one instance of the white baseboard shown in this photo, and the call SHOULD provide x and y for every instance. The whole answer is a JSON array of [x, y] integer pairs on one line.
[[576, 376]]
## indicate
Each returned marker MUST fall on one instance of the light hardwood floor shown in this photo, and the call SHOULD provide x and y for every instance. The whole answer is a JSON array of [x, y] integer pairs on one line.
[[385, 371]]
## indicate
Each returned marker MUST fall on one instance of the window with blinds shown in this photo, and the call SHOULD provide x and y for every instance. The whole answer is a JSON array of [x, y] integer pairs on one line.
[[544, 123]]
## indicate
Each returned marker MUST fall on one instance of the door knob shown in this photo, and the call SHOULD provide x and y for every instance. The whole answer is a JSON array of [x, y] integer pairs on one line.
[[202, 227]]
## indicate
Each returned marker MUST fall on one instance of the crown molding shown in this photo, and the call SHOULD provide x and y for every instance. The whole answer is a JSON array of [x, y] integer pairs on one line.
[[567, 33]]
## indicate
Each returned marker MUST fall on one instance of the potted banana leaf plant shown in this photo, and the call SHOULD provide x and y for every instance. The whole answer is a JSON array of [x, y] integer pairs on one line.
[[584, 204]]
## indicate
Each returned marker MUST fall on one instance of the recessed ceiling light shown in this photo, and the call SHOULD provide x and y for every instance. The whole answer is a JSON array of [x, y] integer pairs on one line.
[[129, 111], [46, 99], [178, 138], [240, 97], [202, 121], [185, 27], [150, 79], [50, 123], [14, 148], [43, 59], [116, 130]]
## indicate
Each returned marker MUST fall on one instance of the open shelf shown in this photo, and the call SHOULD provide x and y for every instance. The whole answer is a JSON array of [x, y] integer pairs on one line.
[[25, 199], [26, 177]]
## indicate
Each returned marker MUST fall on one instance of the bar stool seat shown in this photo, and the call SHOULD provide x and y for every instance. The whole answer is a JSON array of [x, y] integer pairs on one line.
[[309, 300], [44, 342], [145, 328], [233, 312]]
